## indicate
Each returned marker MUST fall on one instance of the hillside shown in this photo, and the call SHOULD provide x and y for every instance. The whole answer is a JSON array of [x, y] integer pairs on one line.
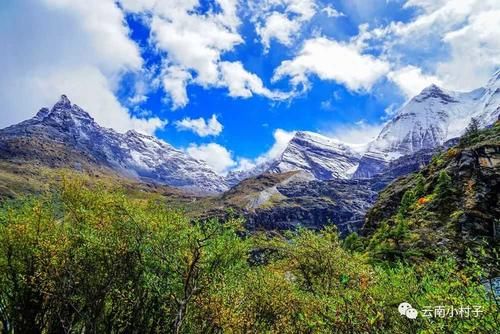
[[291, 200], [66, 136], [452, 204]]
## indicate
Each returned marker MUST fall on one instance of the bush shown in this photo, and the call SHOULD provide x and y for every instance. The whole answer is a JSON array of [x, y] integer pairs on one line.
[[91, 260], [443, 189]]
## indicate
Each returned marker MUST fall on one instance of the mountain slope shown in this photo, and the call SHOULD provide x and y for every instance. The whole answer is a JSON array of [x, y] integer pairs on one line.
[[429, 120], [320, 157], [287, 200], [452, 204], [67, 136]]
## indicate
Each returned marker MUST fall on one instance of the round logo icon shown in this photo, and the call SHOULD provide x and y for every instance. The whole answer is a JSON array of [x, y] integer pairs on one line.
[[403, 307], [408, 311]]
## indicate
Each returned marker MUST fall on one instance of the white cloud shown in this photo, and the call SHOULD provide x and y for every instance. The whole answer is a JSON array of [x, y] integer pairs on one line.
[[411, 80], [192, 45], [280, 20], [475, 51], [222, 160], [456, 41], [69, 47], [242, 83], [200, 126], [281, 140], [330, 11], [215, 155], [357, 136], [175, 80], [195, 42], [279, 27], [427, 5], [332, 60]]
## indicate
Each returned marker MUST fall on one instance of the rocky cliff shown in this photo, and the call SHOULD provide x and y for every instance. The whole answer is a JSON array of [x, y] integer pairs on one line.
[[458, 205]]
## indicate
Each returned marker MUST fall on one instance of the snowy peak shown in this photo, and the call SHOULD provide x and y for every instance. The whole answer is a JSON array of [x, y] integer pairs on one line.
[[428, 120], [317, 156], [436, 93], [131, 154], [42, 113], [313, 142], [63, 104], [64, 109], [322, 157], [494, 81]]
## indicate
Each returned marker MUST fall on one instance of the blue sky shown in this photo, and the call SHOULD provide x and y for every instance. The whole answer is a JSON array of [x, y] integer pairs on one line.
[[230, 81]]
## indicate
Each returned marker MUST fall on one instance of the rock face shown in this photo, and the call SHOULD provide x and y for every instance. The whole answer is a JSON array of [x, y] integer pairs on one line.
[[322, 157], [289, 200], [67, 136], [467, 216], [429, 120], [316, 204]]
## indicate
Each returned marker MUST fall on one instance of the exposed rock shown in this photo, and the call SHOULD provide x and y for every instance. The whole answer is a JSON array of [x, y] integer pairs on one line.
[[67, 136], [471, 211]]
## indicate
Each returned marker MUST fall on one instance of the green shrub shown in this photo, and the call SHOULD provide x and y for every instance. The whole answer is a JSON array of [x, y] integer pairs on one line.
[[88, 259]]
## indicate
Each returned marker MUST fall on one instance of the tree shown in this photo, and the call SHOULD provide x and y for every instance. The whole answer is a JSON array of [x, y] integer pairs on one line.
[[90, 260], [407, 201], [471, 132], [419, 187], [443, 188]]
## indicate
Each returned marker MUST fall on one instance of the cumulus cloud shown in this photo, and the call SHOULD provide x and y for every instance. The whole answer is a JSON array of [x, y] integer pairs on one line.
[[195, 42], [281, 20], [242, 83], [76, 48], [332, 60], [192, 45], [175, 80], [411, 80], [330, 11], [281, 140], [456, 41], [222, 160], [279, 27], [215, 155], [200, 126], [475, 51], [358, 136]]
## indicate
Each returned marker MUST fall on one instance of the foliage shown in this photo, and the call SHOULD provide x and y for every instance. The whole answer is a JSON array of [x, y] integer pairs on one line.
[[90, 259], [443, 189], [471, 132]]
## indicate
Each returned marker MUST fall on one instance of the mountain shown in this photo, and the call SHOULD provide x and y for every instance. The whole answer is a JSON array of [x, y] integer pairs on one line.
[[428, 121], [67, 136], [451, 204], [283, 201], [433, 119], [320, 157]]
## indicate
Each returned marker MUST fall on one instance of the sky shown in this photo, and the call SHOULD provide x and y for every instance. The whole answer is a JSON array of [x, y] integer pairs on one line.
[[230, 81]]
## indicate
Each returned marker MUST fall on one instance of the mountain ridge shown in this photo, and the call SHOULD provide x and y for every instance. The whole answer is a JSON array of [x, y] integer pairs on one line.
[[428, 121], [67, 127]]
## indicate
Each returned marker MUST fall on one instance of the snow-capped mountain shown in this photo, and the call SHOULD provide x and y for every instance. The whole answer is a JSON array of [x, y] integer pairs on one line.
[[319, 157], [322, 157], [131, 154], [429, 120]]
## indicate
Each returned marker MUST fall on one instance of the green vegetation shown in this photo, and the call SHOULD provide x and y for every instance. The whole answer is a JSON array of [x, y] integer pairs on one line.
[[450, 205], [87, 258]]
